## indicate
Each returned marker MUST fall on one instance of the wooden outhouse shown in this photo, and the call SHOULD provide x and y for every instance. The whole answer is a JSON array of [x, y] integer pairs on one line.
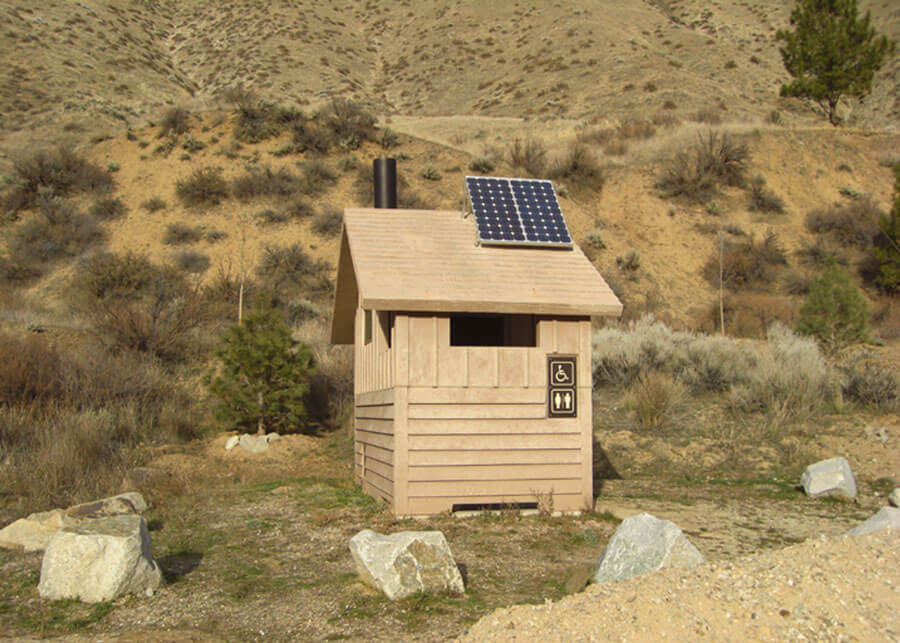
[[472, 370]]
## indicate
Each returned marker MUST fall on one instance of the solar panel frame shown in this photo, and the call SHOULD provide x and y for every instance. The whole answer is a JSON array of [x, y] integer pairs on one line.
[[517, 212]]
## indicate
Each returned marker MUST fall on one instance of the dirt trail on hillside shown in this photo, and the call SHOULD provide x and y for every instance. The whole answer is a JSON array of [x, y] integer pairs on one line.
[[823, 589]]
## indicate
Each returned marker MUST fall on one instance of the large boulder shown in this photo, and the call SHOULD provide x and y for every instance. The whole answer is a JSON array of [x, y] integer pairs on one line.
[[642, 544], [406, 563], [34, 532], [100, 560], [832, 476], [886, 517]]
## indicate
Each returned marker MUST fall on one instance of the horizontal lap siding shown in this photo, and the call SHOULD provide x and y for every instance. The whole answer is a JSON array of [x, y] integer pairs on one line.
[[374, 444], [478, 445]]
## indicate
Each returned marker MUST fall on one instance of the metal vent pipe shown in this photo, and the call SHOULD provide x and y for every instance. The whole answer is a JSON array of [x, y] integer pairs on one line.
[[385, 182]]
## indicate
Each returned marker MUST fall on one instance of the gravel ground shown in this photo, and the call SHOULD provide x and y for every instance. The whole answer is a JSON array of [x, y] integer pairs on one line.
[[831, 589]]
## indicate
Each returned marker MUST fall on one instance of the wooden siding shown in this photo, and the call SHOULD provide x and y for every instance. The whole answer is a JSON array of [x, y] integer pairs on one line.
[[374, 445], [459, 425]]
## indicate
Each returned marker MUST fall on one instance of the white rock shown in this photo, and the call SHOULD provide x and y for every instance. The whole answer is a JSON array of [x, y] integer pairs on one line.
[[232, 442], [894, 497], [642, 544], [829, 476], [100, 560], [254, 443], [34, 532], [271, 437], [406, 563], [886, 517]]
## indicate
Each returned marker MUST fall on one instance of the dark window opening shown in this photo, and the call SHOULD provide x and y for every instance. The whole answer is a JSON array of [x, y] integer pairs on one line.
[[493, 330], [367, 327], [386, 321]]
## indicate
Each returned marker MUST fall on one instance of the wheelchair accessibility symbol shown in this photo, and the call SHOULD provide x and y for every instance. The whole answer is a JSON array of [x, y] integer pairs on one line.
[[561, 387]]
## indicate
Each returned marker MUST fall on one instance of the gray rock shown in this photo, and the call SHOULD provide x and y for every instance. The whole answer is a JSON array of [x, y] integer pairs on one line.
[[253, 443], [886, 517], [100, 560], [406, 563], [33, 533], [232, 442], [642, 544], [894, 497], [829, 476]]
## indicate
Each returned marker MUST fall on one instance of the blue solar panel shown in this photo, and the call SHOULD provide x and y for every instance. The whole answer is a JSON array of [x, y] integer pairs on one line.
[[517, 211]]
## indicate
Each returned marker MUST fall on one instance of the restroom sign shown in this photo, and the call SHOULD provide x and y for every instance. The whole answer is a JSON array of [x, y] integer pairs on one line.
[[562, 398]]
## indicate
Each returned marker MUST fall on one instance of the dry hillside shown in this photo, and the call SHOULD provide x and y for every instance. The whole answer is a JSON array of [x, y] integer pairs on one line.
[[194, 141]]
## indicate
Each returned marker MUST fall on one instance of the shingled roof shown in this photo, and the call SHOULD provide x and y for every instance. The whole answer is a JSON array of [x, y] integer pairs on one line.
[[428, 261]]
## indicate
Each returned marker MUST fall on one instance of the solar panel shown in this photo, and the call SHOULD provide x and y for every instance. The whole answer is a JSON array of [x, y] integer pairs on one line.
[[517, 212]]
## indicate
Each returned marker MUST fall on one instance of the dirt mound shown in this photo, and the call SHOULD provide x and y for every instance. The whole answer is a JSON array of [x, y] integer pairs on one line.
[[824, 588]]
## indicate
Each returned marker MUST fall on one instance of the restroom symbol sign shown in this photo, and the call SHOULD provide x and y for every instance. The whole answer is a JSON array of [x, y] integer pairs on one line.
[[562, 397]]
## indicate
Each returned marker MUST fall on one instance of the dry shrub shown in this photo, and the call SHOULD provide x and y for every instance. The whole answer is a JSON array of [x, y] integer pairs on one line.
[[821, 253], [529, 155], [191, 261], [653, 396], [204, 187], [317, 177], [328, 221], [263, 181], [135, 305], [854, 223], [869, 380], [329, 401], [57, 231], [180, 233], [762, 199], [697, 173], [750, 314], [312, 136], [76, 417], [49, 173], [790, 378], [175, 122], [636, 128], [256, 120], [109, 208], [784, 376], [351, 123], [747, 264], [292, 278], [579, 168]]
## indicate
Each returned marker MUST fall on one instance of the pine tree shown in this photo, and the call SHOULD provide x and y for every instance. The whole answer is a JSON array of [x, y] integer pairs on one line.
[[831, 53], [835, 311], [263, 374], [887, 244]]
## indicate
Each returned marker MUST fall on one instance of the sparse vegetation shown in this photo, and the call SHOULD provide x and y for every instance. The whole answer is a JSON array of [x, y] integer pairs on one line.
[[264, 182], [328, 222], [747, 264], [529, 155], [698, 172], [181, 233], [108, 208], [154, 204], [762, 199], [51, 173], [175, 122], [204, 187], [579, 169], [191, 261]]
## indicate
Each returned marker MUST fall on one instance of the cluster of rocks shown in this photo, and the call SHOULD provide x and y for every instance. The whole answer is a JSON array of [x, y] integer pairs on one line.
[[412, 562], [94, 552], [251, 443]]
